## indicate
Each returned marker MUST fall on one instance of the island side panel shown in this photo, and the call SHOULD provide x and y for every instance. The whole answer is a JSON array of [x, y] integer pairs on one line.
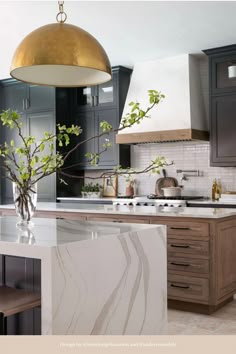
[[22, 273], [111, 285]]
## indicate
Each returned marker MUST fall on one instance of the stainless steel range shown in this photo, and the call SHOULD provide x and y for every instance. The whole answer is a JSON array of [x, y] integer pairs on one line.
[[154, 200]]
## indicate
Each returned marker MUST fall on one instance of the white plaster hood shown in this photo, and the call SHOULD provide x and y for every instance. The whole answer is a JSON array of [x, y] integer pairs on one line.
[[182, 114]]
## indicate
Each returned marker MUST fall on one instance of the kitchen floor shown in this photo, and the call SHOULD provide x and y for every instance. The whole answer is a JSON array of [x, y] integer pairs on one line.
[[222, 321]]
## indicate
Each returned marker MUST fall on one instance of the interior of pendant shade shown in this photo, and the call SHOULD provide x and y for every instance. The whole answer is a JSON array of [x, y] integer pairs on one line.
[[60, 75]]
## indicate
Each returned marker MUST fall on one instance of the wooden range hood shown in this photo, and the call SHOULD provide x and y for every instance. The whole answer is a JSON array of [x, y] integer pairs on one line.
[[181, 116]]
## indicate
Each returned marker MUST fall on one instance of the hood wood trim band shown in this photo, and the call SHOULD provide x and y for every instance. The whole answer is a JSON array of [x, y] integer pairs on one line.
[[162, 136]]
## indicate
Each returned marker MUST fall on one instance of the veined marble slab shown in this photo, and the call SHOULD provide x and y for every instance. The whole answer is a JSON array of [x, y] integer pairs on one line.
[[100, 279], [209, 213]]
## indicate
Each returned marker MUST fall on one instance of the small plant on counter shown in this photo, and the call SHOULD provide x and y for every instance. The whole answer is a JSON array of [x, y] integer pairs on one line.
[[91, 190]]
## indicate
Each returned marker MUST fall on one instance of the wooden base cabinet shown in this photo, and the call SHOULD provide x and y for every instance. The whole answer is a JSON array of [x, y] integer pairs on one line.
[[201, 259], [201, 263]]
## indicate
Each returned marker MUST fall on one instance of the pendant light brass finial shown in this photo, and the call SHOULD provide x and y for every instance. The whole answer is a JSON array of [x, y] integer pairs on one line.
[[60, 55]]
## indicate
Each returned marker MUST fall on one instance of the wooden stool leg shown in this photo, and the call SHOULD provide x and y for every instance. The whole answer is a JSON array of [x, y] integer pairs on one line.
[[2, 324]]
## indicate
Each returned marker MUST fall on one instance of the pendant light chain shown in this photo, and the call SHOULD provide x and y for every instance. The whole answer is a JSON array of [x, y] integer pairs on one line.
[[61, 16]]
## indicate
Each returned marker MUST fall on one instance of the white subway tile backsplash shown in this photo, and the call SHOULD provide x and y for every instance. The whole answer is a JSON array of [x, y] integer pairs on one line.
[[186, 155]]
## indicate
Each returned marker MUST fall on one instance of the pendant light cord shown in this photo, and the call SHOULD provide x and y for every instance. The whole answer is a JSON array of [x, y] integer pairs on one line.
[[61, 16]]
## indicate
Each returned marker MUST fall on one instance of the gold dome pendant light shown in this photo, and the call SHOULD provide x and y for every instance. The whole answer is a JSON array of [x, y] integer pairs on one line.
[[60, 55]]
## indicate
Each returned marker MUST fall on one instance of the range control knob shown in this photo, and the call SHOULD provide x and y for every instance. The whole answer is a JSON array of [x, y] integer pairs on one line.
[[165, 204], [172, 205], [145, 204]]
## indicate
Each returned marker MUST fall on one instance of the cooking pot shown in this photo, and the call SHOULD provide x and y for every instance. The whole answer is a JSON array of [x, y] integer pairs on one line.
[[164, 182], [172, 191]]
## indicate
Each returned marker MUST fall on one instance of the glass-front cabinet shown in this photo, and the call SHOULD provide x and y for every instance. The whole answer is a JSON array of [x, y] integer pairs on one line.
[[90, 106], [99, 96]]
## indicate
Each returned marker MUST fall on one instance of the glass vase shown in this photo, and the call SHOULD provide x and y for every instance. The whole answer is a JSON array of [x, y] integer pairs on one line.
[[25, 203]]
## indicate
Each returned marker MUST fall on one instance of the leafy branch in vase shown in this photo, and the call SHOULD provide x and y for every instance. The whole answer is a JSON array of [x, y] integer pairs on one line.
[[27, 162]]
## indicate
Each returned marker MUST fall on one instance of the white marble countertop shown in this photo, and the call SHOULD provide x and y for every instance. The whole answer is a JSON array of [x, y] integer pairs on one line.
[[106, 279], [209, 201], [53, 232], [193, 212]]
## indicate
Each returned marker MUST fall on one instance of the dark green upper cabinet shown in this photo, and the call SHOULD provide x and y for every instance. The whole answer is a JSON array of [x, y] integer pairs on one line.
[[13, 95], [27, 98], [222, 104], [90, 106], [36, 104], [40, 98]]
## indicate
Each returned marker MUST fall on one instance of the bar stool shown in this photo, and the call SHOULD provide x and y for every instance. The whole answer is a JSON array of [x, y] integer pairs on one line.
[[14, 301]]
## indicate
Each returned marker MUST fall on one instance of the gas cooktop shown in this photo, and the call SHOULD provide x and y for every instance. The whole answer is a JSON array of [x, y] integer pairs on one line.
[[155, 200]]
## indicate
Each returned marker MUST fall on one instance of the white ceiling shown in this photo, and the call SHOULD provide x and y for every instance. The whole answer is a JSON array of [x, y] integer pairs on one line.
[[130, 31]]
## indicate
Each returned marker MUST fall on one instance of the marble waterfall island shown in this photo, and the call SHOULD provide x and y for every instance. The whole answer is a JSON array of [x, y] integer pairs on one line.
[[96, 278]]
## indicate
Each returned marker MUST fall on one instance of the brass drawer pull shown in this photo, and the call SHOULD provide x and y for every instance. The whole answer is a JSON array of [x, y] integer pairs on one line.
[[180, 286], [180, 228], [180, 264], [180, 246]]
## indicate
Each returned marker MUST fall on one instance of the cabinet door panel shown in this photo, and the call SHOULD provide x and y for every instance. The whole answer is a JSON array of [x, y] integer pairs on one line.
[[14, 97], [40, 98], [223, 127], [38, 123], [221, 83], [83, 97], [110, 156], [107, 93]]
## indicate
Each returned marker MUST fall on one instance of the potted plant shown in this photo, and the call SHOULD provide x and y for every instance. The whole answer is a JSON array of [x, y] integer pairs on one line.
[[91, 190]]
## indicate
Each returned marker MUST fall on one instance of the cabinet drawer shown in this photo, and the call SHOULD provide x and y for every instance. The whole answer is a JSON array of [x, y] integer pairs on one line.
[[187, 228], [187, 288], [187, 248], [119, 220], [200, 266]]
